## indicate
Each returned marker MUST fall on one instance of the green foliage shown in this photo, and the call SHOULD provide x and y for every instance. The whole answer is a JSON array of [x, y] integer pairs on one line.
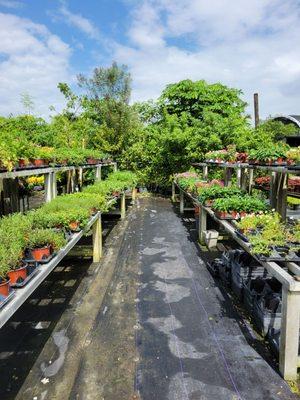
[[244, 203], [269, 152], [46, 237]]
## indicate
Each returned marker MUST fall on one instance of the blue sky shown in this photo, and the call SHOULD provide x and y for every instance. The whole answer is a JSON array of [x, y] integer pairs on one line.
[[248, 45]]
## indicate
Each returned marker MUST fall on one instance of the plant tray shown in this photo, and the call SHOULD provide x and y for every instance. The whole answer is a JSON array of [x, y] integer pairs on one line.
[[278, 258], [44, 261], [7, 299], [297, 167], [241, 236], [23, 283]]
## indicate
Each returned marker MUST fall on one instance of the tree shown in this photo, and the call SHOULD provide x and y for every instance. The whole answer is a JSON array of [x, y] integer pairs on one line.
[[195, 98], [27, 102]]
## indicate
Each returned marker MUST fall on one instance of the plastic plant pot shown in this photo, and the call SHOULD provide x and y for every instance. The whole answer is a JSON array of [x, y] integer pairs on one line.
[[91, 161], [37, 162], [4, 288], [74, 226], [22, 163], [18, 275], [41, 253]]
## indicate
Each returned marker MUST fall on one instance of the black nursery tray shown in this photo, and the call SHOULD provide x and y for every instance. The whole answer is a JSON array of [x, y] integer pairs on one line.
[[241, 236], [278, 258], [7, 299], [23, 283], [44, 261]]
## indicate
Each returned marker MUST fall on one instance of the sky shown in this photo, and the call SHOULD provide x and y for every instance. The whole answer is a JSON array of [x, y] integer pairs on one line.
[[250, 45]]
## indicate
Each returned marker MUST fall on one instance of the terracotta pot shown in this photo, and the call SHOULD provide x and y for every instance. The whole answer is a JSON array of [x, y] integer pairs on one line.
[[37, 162], [243, 214], [18, 275], [91, 160], [234, 214], [116, 194], [41, 253], [23, 163], [223, 215], [74, 225], [290, 161], [209, 203], [4, 288], [46, 162]]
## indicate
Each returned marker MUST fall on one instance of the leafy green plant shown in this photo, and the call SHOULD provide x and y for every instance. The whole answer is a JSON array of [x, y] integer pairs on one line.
[[46, 237], [268, 153]]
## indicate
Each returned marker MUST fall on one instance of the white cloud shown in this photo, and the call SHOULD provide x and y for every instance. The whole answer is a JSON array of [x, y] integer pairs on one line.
[[32, 60], [79, 22], [11, 4], [248, 45]]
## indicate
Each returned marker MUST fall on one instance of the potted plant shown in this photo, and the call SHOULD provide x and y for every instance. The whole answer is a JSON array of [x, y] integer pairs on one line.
[[293, 156], [269, 154], [43, 242], [4, 281]]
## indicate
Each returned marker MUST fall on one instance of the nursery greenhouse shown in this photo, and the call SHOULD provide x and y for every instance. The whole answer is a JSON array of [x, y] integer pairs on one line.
[[149, 249]]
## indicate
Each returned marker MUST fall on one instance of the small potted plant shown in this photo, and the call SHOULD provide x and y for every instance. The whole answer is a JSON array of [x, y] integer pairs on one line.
[[4, 281], [44, 242]]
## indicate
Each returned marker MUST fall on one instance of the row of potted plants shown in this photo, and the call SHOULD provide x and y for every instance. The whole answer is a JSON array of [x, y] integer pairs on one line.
[[265, 181], [275, 154], [227, 202], [269, 237], [37, 156], [28, 239]]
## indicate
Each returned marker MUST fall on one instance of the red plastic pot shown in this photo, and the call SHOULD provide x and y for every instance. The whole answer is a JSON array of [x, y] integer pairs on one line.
[[23, 163], [91, 160], [74, 225], [4, 288], [16, 274], [116, 194], [41, 253], [37, 162], [223, 215]]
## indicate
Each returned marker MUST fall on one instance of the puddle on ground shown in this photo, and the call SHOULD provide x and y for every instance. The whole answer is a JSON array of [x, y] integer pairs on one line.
[[173, 292], [177, 347], [61, 341]]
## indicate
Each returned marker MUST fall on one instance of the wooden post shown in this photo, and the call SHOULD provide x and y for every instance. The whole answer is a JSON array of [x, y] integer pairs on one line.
[[256, 110], [48, 187], [173, 192], [273, 190], [98, 173], [123, 205], [282, 189], [239, 177], [251, 177], [115, 167], [80, 178], [54, 185], [205, 172], [181, 205], [133, 195], [202, 225], [289, 337], [227, 176], [72, 180], [97, 240]]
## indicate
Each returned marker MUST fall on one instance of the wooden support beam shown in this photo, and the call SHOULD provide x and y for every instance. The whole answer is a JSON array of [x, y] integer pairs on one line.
[[289, 337], [123, 205], [133, 195], [205, 172], [54, 185], [97, 240], [227, 176], [80, 178], [181, 205], [202, 225], [251, 180], [115, 167], [239, 177], [98, 173], [173, 192], [48, 187]]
